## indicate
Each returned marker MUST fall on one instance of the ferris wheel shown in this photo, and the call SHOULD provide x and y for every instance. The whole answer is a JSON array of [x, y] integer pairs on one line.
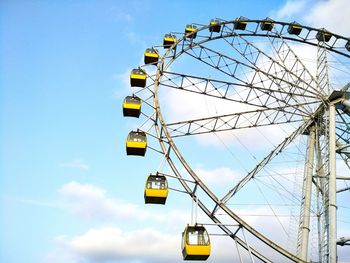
[[275, 96]]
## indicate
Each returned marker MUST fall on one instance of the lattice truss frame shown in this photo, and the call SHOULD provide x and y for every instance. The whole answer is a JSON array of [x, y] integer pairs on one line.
[[275, 86]]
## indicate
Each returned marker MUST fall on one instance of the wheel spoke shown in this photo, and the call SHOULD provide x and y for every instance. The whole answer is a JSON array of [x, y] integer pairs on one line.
[[241, 120], [265, 161]]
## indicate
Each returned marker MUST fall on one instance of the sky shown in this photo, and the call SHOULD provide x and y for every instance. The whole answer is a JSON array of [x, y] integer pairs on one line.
[[68, 192]]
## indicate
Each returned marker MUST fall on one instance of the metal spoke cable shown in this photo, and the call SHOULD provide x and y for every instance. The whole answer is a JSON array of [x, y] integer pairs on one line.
[[271, 61], [229, 73], [223, 143], [293, 199], [271, 208]]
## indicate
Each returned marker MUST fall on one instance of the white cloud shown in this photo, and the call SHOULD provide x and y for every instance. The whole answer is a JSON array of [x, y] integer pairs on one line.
[[219, 180], [221, 175], [77, 164], [149, 244], [290, 9], [332, 15], [112, 244], [90, 202]]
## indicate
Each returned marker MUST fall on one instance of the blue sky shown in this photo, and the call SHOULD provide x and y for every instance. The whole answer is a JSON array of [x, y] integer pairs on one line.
[[64, 172]]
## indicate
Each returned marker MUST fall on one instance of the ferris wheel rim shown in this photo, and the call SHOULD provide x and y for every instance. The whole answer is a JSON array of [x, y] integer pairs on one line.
[[267, 33], [173, 147]]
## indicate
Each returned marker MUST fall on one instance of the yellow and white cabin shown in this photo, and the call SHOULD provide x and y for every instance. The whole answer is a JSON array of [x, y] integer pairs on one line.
[[195, 243], [151, 56], [132, 106], [323, 36], [240, 23], [267, 24], [138, 78], [169, 40], [214, 26], [136, 143], [294, 29], [191, 31], [156, 189]]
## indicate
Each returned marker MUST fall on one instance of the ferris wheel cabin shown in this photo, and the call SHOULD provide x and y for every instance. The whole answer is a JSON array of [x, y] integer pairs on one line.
[[156, 189], [294, 29], [214, 26], [169, 40], [240, 23], [323, 36], [138, 78], [267, 24], [151, 56], [195, 243], [136, 143], [191, 29], [132, 106]]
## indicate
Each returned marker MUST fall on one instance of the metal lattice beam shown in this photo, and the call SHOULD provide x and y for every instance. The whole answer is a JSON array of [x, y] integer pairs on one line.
[[230, 66], [241, 120], [236, 92]]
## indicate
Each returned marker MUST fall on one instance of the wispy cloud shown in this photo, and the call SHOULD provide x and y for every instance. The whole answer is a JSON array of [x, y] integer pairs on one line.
[[290, 9], [77, 164], [221, 175], [332, 15], [143, 245], [112, 243], [91, 202]]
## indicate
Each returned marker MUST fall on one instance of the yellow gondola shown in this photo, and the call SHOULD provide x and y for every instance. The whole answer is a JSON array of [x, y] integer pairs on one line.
[[156, 189], [347, 46], [136, 143], [214, 26], [323, 36], [240, 23], [190, 29], [294, 28], [195, 243], [169, 40], [132, 106], [267, 24], [138, 78], [151, 56]]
